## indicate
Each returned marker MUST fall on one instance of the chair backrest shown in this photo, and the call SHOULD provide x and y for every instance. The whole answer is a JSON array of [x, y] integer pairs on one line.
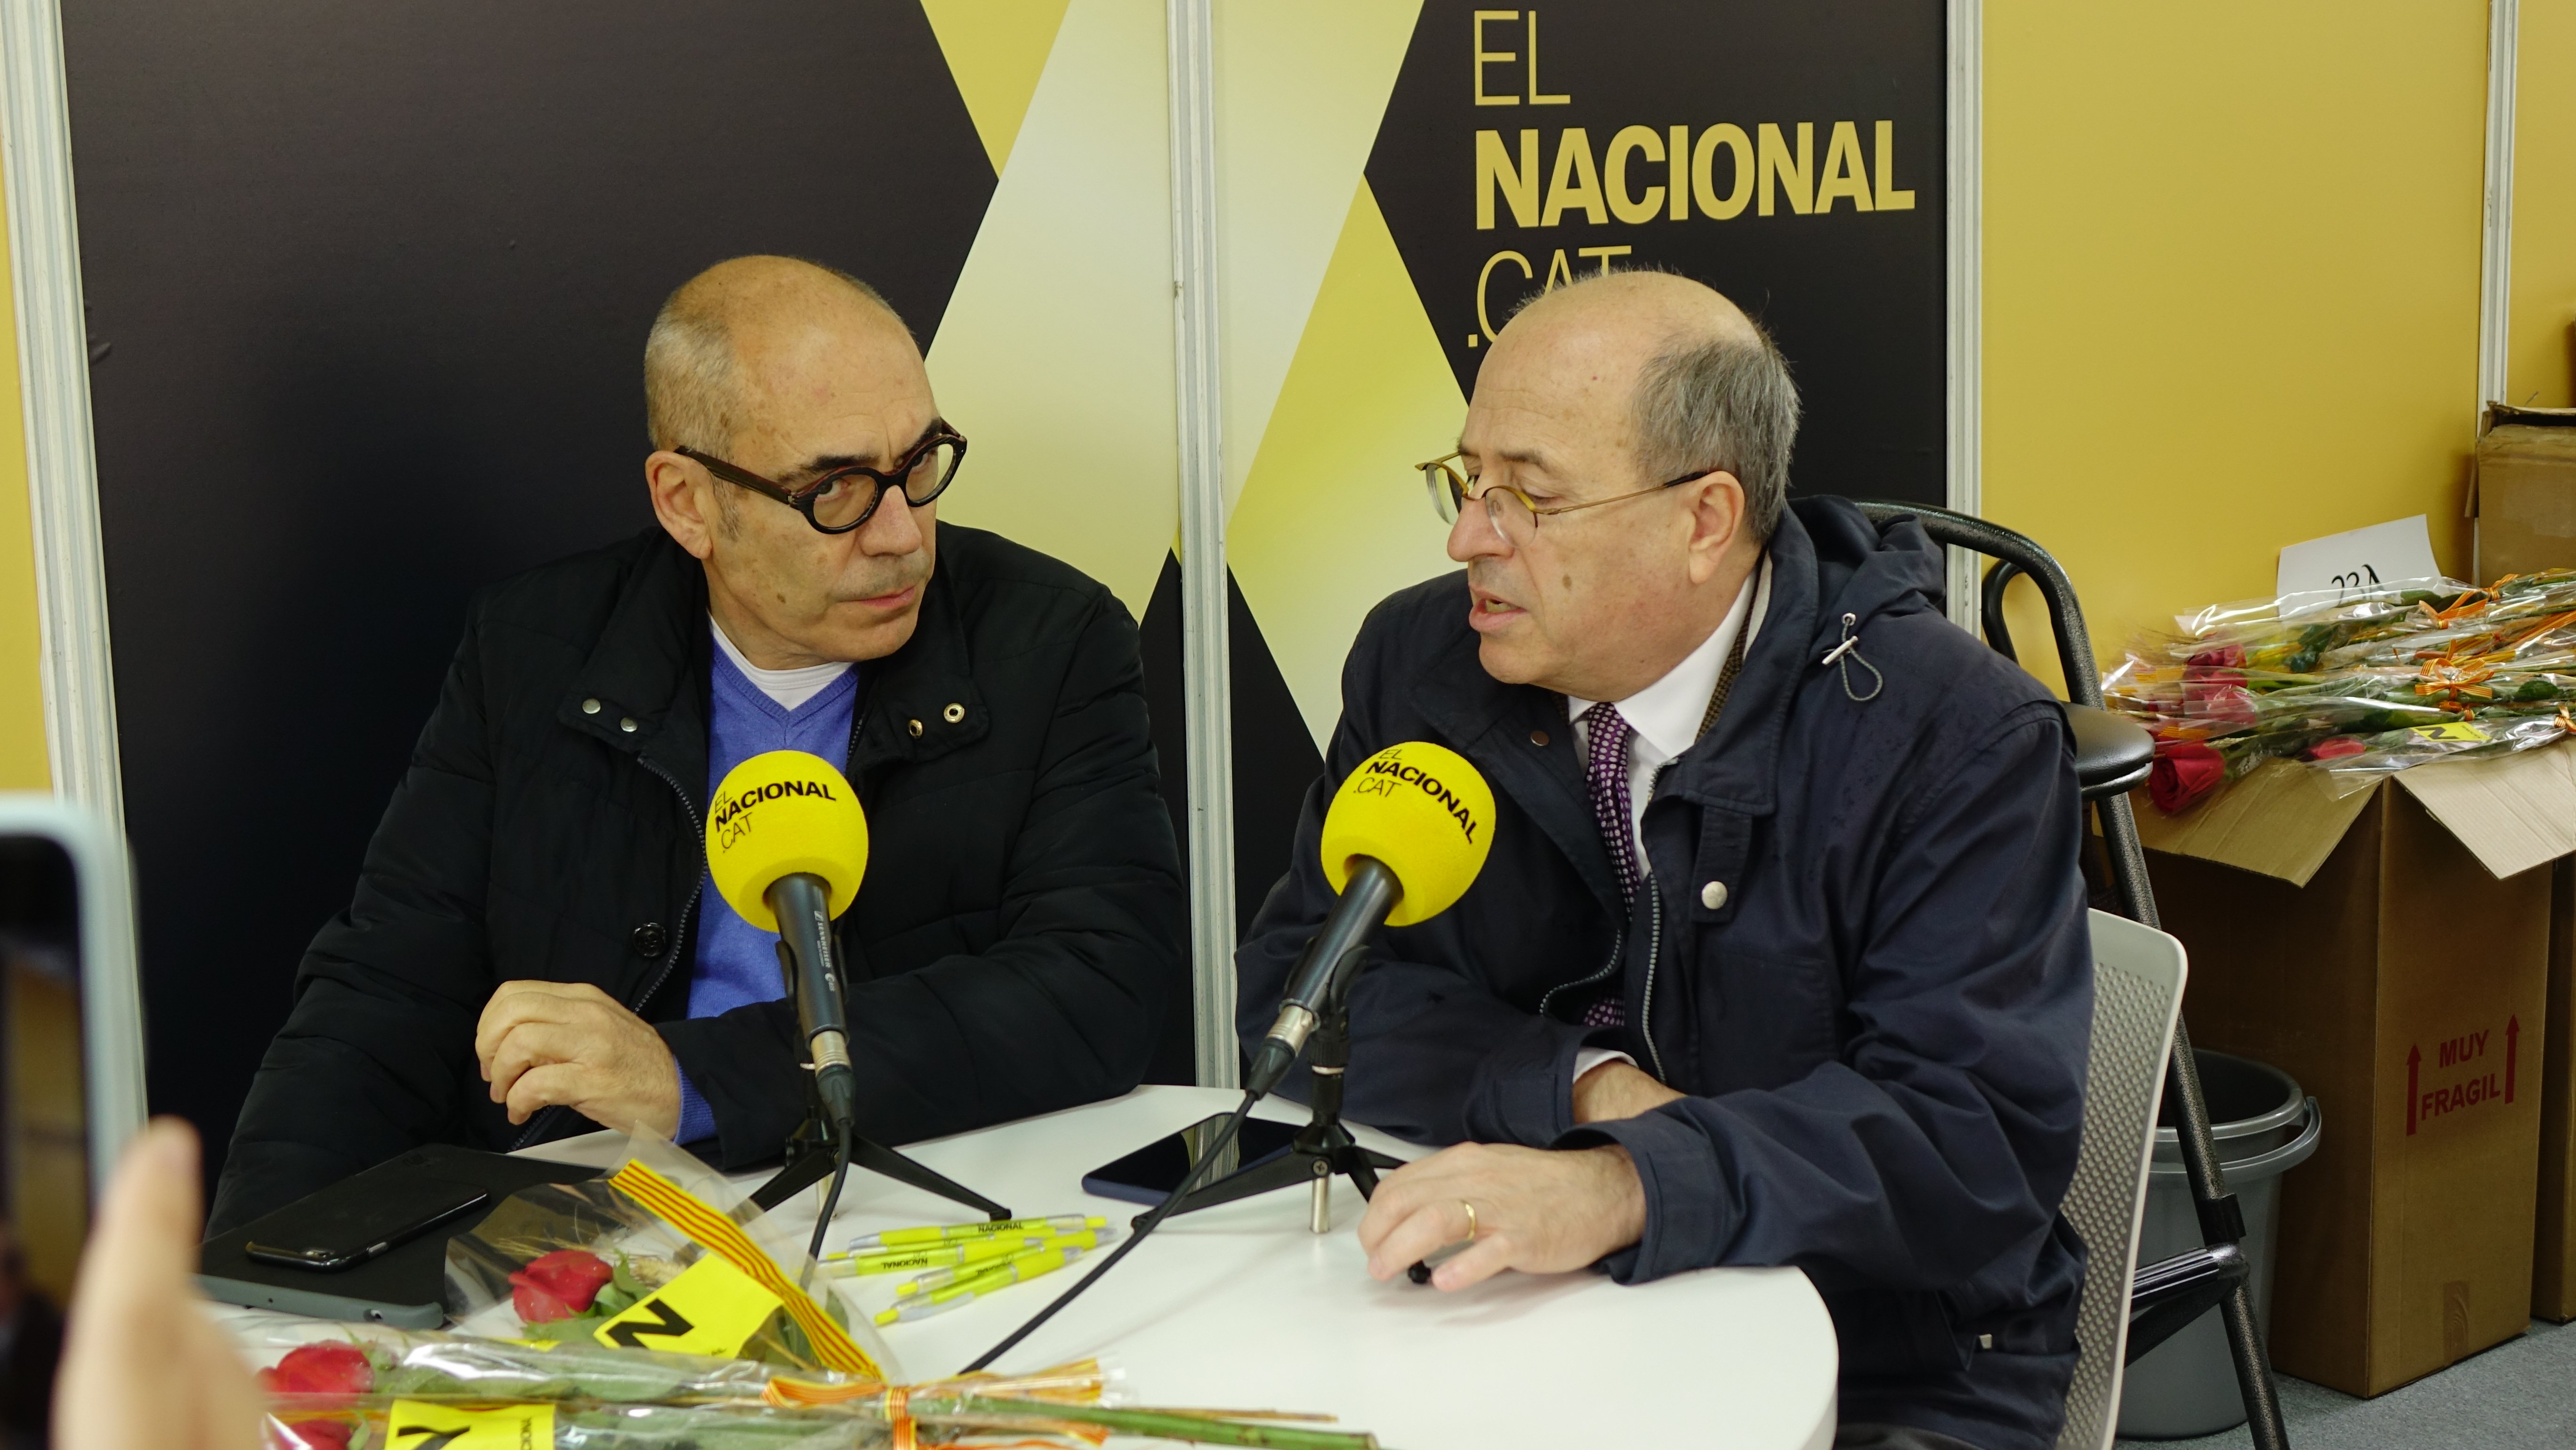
[[2137, 994], [2065, 616]]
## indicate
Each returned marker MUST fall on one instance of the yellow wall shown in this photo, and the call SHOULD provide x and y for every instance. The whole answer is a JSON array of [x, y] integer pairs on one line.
[[2542, 372], [2231, 285], [22, 709]]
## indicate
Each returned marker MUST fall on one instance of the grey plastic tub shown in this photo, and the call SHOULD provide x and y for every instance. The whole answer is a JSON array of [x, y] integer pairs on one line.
[[2265, 1127]]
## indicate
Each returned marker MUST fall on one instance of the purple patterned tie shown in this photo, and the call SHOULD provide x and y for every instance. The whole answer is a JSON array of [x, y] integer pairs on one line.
[[1606, 776]]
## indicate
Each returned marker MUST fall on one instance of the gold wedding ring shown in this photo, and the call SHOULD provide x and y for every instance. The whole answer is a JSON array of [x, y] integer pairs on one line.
[[1471, 1221]]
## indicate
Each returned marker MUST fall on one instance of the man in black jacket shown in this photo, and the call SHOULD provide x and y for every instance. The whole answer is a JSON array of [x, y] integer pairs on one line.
[[534, 948], [1779, 956]]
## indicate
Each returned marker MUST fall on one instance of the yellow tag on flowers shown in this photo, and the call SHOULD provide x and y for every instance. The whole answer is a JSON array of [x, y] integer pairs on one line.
[[712, 1308], [2451, 730], [416, 1426]]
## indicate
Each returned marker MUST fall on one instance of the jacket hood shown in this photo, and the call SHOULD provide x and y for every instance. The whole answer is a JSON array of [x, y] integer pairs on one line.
[[1863, 569]]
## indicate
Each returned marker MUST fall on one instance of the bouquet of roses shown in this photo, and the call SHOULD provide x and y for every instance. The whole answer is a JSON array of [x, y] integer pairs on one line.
[[662, 1254], [2359, 686], [354, 1387]]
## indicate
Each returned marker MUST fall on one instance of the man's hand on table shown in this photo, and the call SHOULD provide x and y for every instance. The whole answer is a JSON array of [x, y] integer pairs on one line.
[[1539, 1211], [1617, 1090], [544, 1044]]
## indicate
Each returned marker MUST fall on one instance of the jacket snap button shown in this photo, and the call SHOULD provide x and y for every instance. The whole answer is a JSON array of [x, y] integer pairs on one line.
[[590, 707], [915, 727], [1538, 737], [627, 724], [953, 714], [1713, 895], [650, 939]]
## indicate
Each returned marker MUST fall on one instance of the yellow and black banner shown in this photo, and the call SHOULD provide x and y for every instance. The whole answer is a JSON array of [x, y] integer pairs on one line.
[[368, 287]]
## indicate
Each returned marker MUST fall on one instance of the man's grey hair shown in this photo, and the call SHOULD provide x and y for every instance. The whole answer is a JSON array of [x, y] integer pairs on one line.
[[1724, 402], [690, 393]]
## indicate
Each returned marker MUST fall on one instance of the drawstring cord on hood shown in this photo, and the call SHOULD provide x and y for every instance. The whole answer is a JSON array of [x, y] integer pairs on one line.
[[1848, 654]]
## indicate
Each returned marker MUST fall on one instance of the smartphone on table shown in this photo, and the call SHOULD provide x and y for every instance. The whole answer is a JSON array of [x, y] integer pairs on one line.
[[1149, 1174], [359, 1219]]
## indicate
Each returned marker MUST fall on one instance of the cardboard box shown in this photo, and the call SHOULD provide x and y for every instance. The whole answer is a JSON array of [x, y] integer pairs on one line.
[[2553, 1280], [2389, 949], [2523, 493]]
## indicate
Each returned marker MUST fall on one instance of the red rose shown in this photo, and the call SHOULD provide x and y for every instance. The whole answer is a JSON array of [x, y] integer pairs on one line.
[[535, 1305], [558, 1286], [2226, 656], [318, 1435], [2185, 770], [320, 1369], [2336, 747]]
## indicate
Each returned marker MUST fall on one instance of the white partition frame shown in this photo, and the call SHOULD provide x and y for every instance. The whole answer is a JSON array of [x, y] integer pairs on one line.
[[1967, 43], [1206, 667], [76, 664], [2495, 253]]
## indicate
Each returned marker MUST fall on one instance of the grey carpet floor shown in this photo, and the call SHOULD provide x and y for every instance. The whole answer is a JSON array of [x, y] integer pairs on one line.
[[2520, 1395]]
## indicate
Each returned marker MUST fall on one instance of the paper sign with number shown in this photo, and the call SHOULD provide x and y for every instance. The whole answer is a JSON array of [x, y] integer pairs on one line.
[[416, 1426], [2452, 730], [712, 1308], [2328, 570]]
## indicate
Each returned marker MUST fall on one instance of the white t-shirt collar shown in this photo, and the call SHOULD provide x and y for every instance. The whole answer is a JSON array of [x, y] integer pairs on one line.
[[790, 688]]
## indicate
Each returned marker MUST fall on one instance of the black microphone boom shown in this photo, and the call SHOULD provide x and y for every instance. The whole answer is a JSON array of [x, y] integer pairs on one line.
[[1325, 970]]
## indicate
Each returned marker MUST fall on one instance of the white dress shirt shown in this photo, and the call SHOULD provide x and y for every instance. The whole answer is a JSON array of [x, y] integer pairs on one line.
[[1666, 716]]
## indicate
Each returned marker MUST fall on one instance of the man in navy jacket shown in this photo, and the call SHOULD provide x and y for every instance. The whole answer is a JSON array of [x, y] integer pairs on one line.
[[1780, 953]]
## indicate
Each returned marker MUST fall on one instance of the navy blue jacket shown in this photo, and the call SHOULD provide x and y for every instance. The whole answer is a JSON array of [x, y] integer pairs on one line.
[[1882, 1026]]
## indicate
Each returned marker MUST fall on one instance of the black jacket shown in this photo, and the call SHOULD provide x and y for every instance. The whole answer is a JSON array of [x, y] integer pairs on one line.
[[1011, 951], [1882, 1024]]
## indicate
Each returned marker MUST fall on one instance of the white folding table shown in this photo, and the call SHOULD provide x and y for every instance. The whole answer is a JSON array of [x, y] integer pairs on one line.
[[1243, 1306]]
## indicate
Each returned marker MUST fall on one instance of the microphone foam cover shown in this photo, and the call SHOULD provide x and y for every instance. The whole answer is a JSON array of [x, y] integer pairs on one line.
[[779, 814], [1425, 813]]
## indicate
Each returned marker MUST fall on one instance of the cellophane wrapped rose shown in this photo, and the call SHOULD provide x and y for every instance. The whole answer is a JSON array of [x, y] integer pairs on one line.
[[2357, 686]]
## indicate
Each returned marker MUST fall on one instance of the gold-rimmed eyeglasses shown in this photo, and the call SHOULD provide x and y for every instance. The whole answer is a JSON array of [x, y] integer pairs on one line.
[[1515, 516]]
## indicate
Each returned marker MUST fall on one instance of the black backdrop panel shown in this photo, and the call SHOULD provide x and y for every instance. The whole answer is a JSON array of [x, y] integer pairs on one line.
[[368, 288], [1857, 299]]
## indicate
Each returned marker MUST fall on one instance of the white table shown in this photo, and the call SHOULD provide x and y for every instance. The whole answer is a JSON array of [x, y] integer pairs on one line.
[[1243, 1306]]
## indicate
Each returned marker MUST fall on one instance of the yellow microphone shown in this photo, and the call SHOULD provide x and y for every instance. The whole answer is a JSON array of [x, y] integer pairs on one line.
[[787, 844], [1404, 838]]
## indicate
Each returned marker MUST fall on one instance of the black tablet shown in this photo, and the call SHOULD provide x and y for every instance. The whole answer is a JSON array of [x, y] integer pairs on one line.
[[404, 1283]]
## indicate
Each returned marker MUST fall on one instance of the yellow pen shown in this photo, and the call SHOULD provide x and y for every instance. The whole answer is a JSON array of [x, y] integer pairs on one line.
[[952, 1232], [936, 1256], [1001, 1276], [941, 1278]]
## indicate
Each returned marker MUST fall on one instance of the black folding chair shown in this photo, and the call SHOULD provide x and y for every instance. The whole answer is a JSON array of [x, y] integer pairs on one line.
[[2112, 758]]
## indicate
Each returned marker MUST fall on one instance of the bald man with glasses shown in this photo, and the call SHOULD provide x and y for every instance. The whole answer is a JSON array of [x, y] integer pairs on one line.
[[1779, 956], [534, 949]]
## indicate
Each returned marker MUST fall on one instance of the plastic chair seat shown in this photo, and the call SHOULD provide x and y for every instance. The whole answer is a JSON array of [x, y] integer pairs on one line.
[[2112, 755]]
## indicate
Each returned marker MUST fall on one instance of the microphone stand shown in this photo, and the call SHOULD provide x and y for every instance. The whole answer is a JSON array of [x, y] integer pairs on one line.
[[1324, 1146], [813, 1151], [826, 1144]]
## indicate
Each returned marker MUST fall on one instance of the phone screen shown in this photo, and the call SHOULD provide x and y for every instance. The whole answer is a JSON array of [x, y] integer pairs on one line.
[[44, 1156], [1149, 1174]]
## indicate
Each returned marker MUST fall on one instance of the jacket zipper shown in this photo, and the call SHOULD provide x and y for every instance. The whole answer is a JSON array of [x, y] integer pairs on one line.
[[679, 938], [1654, 953], [1654, 941], [1618, 945]]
